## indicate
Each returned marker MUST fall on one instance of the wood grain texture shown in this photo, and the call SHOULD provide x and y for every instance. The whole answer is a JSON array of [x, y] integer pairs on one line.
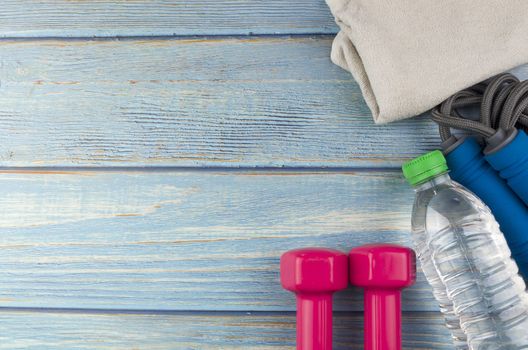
[[228, 102], [51, 330], [186, 240], [102, 18]]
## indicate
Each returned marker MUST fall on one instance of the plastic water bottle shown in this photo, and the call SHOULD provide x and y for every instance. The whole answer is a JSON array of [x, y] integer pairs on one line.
[[465, 258]]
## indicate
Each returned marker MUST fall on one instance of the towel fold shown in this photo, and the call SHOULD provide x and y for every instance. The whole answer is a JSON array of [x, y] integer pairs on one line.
[[408, 56]]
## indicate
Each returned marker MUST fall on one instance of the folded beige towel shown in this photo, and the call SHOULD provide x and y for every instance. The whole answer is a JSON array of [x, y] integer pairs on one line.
[[409, 55]]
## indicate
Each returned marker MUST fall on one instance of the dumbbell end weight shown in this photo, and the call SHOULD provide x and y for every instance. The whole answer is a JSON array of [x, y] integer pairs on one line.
[[314, 274], [383, 270]]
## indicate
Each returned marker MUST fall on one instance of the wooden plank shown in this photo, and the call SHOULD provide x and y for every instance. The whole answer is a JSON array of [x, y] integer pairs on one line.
[[52, 330], [102, 18], [227, 102], [186, 240]]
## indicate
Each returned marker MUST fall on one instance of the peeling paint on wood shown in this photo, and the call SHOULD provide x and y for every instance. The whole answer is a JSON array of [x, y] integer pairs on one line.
[[185, 241], [109, 18], [51, 330], [228, 102]]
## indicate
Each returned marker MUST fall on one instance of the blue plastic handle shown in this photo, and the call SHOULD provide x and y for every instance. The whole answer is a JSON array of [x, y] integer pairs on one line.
[[511, 161], [469, 168]]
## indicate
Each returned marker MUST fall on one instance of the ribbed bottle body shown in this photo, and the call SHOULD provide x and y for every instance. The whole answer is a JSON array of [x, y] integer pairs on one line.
[[467, 262]]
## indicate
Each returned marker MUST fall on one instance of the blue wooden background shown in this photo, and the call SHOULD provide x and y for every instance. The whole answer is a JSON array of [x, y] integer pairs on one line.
[[158, 156]]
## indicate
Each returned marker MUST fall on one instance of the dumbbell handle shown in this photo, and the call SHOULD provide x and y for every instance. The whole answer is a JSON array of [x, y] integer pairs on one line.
[[382, 319], [314, 321]]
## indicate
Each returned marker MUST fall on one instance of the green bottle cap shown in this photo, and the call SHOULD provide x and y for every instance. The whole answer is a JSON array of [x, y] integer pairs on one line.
[[424, 167]]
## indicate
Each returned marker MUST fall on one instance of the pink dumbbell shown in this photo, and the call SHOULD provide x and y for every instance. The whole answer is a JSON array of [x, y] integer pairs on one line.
[[314, 274], [383, 270]]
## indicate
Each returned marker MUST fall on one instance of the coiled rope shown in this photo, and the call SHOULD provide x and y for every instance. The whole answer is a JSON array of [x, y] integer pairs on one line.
[[503, 103]]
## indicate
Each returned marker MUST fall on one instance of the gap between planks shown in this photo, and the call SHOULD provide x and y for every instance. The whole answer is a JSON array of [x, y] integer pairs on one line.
[[198, 169], [207, 37], [94, 311]]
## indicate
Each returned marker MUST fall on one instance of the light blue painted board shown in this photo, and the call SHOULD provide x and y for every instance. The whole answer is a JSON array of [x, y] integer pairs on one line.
[[103, 18], [186, 240], [228, 102], [52, 330]]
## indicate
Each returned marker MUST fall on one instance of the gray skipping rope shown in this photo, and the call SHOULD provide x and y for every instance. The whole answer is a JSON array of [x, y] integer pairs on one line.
[[503, 103]]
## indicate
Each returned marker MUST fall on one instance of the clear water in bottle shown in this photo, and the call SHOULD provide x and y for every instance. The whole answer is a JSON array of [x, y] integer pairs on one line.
[[466, 260]]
